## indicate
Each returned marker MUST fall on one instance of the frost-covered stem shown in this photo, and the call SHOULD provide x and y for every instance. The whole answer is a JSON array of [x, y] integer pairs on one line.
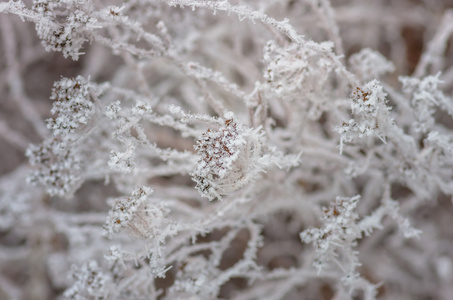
[[246, 67], [77, 219], [401, 102], [436, 47], [277, 283], [326, 154], [15, 83], [12, 136], [327, 16], [447, 76], [134, 66], [201, 72], [122, 46], [340, 68], [11, 289], [18, 8], [243, 12], [214, 103]]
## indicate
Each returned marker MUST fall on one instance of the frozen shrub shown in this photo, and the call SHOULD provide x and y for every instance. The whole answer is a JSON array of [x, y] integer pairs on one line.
[[226, 149]]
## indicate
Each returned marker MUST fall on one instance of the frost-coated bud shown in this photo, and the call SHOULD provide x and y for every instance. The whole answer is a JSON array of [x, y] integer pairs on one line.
[[226, 158]]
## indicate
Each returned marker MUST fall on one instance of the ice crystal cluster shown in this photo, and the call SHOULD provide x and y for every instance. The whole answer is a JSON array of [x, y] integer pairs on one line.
[[226, 149]]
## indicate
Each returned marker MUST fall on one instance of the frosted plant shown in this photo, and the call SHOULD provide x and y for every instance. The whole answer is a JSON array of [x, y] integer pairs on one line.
[[368, 64], [73, 105], [336, 240], [125, 211], [57, 167], [186, 149], [371, 114], [58, 160], [230, 157], [222, 167], [90, 282]]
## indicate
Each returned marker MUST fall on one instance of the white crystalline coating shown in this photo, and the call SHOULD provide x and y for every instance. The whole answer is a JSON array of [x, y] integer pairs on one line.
[[174, 109], [125, 210], [113, 109], [90, 282], [160, 76], [57, 167], [371, 115], [72, 104], [218, 167], [141, 108], [369, 64]]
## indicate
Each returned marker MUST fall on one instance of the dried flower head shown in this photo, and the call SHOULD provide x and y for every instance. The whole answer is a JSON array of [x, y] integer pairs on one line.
[[73, 105], [224, 159], [125, 212]]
